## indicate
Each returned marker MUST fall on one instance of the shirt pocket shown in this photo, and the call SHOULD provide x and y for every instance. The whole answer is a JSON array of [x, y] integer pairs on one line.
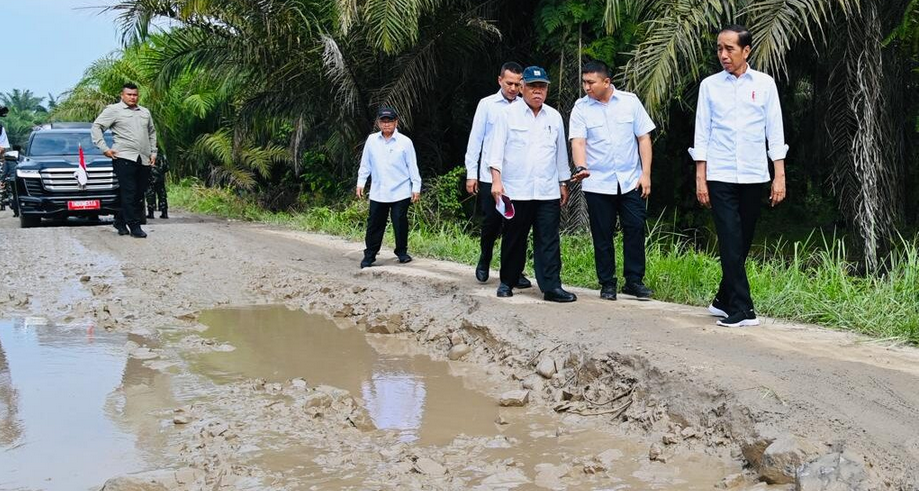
[[596, 130], [517, 136]]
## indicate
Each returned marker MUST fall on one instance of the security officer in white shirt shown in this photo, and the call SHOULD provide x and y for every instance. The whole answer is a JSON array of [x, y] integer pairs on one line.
[[739, 125], [479, 177], [612, 151], [389, 160], [530, 165]]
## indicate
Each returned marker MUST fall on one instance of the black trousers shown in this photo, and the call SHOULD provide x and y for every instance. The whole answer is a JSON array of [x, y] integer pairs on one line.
[[133, 178], [377, 225], [603, 211], [543, 218], [735, 209], [491, 221]]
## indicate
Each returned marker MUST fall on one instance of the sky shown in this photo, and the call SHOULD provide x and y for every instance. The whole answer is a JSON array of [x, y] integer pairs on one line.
[[47, 44]]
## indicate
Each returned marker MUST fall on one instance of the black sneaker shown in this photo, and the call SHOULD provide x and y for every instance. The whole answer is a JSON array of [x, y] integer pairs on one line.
[[609, 292], [740, 319], [638, 290], [718, 309], [367, 262], [405, 258]]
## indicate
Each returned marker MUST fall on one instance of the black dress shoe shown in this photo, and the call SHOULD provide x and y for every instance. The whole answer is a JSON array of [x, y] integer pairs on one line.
[[638, 290], [522, 283], [123, 230], [138, 233], [482, 270], [504, 291], [405, 258], [609, 292], [163, 214], [559, 295], [367, 262]]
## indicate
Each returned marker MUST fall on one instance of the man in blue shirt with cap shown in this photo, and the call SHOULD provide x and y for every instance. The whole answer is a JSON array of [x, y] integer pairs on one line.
[[530, 165], [389, 160], [612, 151]]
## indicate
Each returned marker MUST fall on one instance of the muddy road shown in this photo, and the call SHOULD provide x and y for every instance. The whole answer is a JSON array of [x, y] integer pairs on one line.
[[225, 355]]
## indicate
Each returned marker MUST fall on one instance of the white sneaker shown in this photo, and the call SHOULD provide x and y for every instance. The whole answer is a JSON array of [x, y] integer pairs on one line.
[[716, 311]]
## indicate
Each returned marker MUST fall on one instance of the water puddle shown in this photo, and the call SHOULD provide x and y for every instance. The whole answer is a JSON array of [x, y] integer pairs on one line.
[[409, 393], [60, 423], [436, 406]]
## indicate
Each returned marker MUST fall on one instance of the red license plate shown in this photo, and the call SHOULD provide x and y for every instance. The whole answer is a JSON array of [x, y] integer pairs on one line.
[[89, 204]]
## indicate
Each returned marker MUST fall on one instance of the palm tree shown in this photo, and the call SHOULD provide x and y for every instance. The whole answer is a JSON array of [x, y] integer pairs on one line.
[[863, 82], [22, 101]]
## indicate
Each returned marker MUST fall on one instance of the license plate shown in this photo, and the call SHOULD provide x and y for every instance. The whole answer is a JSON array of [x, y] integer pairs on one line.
[[88, 204]]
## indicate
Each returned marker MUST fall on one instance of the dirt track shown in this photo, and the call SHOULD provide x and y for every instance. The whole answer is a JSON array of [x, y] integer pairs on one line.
[[726, 390]]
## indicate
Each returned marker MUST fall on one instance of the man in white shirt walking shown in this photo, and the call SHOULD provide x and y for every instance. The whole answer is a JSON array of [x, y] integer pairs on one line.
[[612, 151], [389, 160], [530, 165], [479, 177], [739, 125]]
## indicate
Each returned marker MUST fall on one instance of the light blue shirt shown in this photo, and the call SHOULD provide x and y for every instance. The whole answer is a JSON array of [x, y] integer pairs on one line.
[[481, 135], [736, 119], [391, 166], [610, 131], [530, 152], [4, 141]]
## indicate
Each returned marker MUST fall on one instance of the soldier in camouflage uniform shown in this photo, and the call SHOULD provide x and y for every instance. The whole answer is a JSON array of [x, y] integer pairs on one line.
[[156, 192]]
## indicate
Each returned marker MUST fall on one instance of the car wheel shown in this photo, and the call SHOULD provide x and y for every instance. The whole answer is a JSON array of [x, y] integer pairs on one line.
[[29, 221]]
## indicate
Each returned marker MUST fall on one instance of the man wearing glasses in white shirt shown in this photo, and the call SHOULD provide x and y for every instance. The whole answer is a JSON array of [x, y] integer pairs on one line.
[[739, 125]]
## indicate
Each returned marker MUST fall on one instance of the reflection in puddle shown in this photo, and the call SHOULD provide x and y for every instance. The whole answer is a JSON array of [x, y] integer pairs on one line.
[[55, 384], [429, 403], [405, 392]]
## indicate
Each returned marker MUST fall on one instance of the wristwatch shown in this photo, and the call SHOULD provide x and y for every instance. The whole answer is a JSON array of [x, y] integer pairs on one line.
[[578, 169]]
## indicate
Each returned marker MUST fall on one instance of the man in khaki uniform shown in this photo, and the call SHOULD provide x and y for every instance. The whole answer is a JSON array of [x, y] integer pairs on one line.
[[133, 153]]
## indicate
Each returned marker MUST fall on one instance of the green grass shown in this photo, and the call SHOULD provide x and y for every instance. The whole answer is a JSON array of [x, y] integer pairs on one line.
[[812, 284]]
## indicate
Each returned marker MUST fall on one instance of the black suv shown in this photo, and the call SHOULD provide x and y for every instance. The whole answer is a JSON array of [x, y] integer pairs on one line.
[[46, 184]]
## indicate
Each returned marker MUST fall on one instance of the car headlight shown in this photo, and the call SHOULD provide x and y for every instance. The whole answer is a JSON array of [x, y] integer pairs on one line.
[[33, 173]]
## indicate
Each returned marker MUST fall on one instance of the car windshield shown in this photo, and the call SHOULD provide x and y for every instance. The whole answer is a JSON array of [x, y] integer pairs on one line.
[[58, 143]]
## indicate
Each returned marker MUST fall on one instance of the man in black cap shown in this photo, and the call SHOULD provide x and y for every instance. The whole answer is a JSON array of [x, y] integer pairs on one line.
[[389, 160], [530, 165]]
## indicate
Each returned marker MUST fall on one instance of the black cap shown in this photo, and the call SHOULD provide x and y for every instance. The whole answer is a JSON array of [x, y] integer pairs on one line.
[[3, 111], [386, 113]]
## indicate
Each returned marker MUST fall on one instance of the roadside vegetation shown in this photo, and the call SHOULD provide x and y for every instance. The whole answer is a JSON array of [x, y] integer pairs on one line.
[[269, 103], [814, 284]]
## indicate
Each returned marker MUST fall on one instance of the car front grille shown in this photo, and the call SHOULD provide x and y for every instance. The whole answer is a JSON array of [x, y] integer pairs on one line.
[[57, 180], [33, 187]]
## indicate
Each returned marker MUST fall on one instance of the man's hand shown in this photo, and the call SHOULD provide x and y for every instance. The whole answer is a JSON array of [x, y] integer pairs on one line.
[[110, 153], [472, 186], [777, 190], [581, 174], [153, 160], [497, 189], [645, 184], [359, 193], [702, 193], [415, 197], [564, 190]]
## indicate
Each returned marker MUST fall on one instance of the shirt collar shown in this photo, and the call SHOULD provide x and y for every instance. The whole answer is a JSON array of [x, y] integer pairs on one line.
[[125, 106], [524, 108], [500, 97], [747, 74], [395, 133], [615, 95]]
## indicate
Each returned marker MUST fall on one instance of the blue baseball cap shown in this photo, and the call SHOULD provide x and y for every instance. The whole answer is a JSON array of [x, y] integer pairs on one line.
[[535, 74], [386, 113]]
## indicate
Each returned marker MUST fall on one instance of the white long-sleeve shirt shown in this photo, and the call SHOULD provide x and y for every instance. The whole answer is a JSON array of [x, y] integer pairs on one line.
[[4, 140], [530, 152], [610, 131], [481, 135], [392, 167], [736, 119]]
